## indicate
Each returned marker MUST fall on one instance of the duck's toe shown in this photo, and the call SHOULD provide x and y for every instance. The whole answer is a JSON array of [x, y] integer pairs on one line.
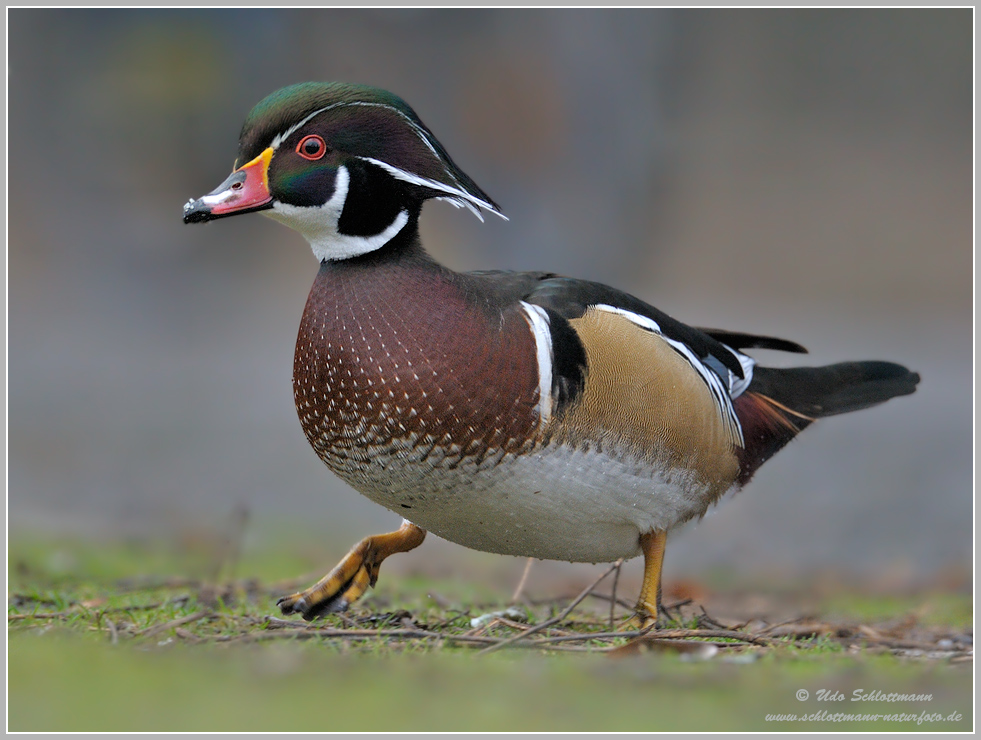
[[353, 576]]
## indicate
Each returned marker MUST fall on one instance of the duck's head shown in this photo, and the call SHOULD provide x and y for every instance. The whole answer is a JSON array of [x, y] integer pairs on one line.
[[348, 166]]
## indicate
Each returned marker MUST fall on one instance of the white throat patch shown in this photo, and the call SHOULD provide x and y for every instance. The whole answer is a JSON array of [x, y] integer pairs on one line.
[[318, 224]]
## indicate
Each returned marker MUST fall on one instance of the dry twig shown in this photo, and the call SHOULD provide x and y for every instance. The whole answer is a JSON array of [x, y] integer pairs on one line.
[[553, 620], [613, 593], [519, 590], [157, 629], [723, 634]]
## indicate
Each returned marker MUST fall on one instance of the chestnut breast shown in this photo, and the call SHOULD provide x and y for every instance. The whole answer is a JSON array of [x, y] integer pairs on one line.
[[394, 356]]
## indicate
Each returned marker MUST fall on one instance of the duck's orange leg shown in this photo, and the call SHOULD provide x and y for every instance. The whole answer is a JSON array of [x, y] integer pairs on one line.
[[652, 545], [351, 577]]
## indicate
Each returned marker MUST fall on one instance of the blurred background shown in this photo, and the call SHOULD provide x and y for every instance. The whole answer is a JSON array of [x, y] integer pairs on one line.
[[803, 174]]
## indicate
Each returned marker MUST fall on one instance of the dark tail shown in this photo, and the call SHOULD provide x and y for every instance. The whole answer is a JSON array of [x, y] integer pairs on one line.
[[779, 403]]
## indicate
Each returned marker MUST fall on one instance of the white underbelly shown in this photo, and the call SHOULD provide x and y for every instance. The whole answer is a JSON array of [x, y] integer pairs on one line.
[[557, 503]]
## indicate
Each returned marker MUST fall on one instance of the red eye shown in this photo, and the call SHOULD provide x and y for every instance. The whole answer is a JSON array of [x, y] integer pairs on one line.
[[311, 147]]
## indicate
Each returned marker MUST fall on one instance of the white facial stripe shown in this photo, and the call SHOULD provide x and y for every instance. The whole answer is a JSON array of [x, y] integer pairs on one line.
[[456, 196], [539, 323], [722, 394], [419, 131], [318, 225], [280, 138], [459, 197]]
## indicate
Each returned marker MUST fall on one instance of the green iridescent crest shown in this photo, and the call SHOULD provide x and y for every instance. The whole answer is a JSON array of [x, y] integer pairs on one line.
[[371, 124]]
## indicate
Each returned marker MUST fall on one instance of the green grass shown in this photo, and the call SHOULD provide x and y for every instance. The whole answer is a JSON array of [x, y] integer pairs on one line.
[[60, 682], [949, 609], [93, 646]]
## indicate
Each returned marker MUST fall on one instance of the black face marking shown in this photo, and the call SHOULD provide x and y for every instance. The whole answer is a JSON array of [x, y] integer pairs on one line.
[[373, 201]]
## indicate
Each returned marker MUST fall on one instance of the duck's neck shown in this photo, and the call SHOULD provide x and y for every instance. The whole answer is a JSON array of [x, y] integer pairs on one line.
[[397, 281]]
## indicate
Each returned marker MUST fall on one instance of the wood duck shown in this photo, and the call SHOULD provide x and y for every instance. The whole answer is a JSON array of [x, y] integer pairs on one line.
[[521, 413]]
